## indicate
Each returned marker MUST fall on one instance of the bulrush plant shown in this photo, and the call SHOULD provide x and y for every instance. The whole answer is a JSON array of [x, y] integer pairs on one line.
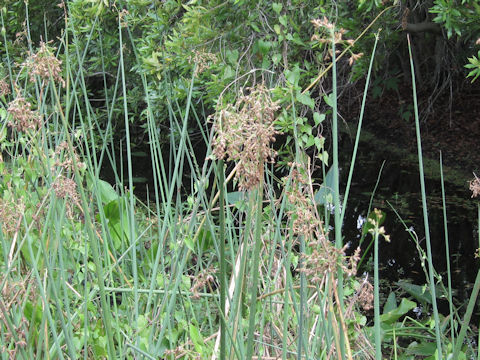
[[244, 132], [250, 270], [320, 262]]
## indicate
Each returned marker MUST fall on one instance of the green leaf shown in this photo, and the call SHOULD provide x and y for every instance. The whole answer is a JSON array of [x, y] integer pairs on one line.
[[319, 143], [106, 191], [318, 118], [305, 99], [393, 315], [293, 76], [112, 211], [323, 156], [390, 304], [276, 58], [189, 242], [421, 292], [277, 28], [325, 193], [329, 99], [277, 7], [421, 349], [196, 338]]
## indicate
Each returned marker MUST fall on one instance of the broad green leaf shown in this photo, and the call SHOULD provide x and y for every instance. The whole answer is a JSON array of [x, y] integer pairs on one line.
[[390, 304], [422, 349], [329, 99], [106, 191], [324, 195], [419, 292], [393, 315], [318, 118], [196, 338], [293, 76], [305, 99], [277, 7]]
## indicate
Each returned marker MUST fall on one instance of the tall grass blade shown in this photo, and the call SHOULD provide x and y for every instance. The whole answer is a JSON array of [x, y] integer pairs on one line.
[[359, 129], [130, 218], [447, 257], [223, 270], [470, 307], [376, 300], [336, 187], [431, 279], [254, 269]]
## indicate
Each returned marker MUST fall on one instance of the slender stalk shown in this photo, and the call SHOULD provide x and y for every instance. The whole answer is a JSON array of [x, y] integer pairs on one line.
[[254, 270], [336, 185], [359, 128], [424, 207], [447, 256], [376, 298], [221, 239], [468, 314], [131, 217]]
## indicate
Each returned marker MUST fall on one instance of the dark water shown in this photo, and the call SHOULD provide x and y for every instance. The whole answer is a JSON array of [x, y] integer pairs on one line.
[[399, 185]]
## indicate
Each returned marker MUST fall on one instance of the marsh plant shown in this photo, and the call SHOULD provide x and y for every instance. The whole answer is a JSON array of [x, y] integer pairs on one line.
[[240, 259]]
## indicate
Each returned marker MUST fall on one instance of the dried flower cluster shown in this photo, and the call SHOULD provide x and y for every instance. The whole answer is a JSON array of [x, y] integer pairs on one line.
[[337, 36], [66, 188], [4, 87], [201, 280], [67, 162], [244, 132], [305, 219], [44, 64], [202, 59], [475, 186], [10, 213], [13, 295], [325, 258], [322, 23], [365, 296], [24, 118], [123, 17]]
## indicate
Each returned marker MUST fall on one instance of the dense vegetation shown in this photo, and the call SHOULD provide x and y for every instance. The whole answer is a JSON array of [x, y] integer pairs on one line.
[[237, 249]]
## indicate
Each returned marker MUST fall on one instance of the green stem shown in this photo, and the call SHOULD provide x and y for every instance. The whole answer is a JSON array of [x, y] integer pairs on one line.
[[254, 269], [376, 301], [424, 207], [221, 239]]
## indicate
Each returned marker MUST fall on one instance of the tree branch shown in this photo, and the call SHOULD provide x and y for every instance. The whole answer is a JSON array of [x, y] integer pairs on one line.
[[425, 26]]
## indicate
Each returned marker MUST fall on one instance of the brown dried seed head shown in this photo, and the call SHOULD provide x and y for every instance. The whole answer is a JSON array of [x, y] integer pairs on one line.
[[24, 118]]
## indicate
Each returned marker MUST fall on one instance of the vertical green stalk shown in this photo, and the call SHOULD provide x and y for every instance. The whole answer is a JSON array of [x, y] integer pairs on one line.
[[221, 238], [336, 185], [131, 218], [359, 128], [93, 239], [376, 297], [424, 207], [447, 256], [469, 312], [254, 269]]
